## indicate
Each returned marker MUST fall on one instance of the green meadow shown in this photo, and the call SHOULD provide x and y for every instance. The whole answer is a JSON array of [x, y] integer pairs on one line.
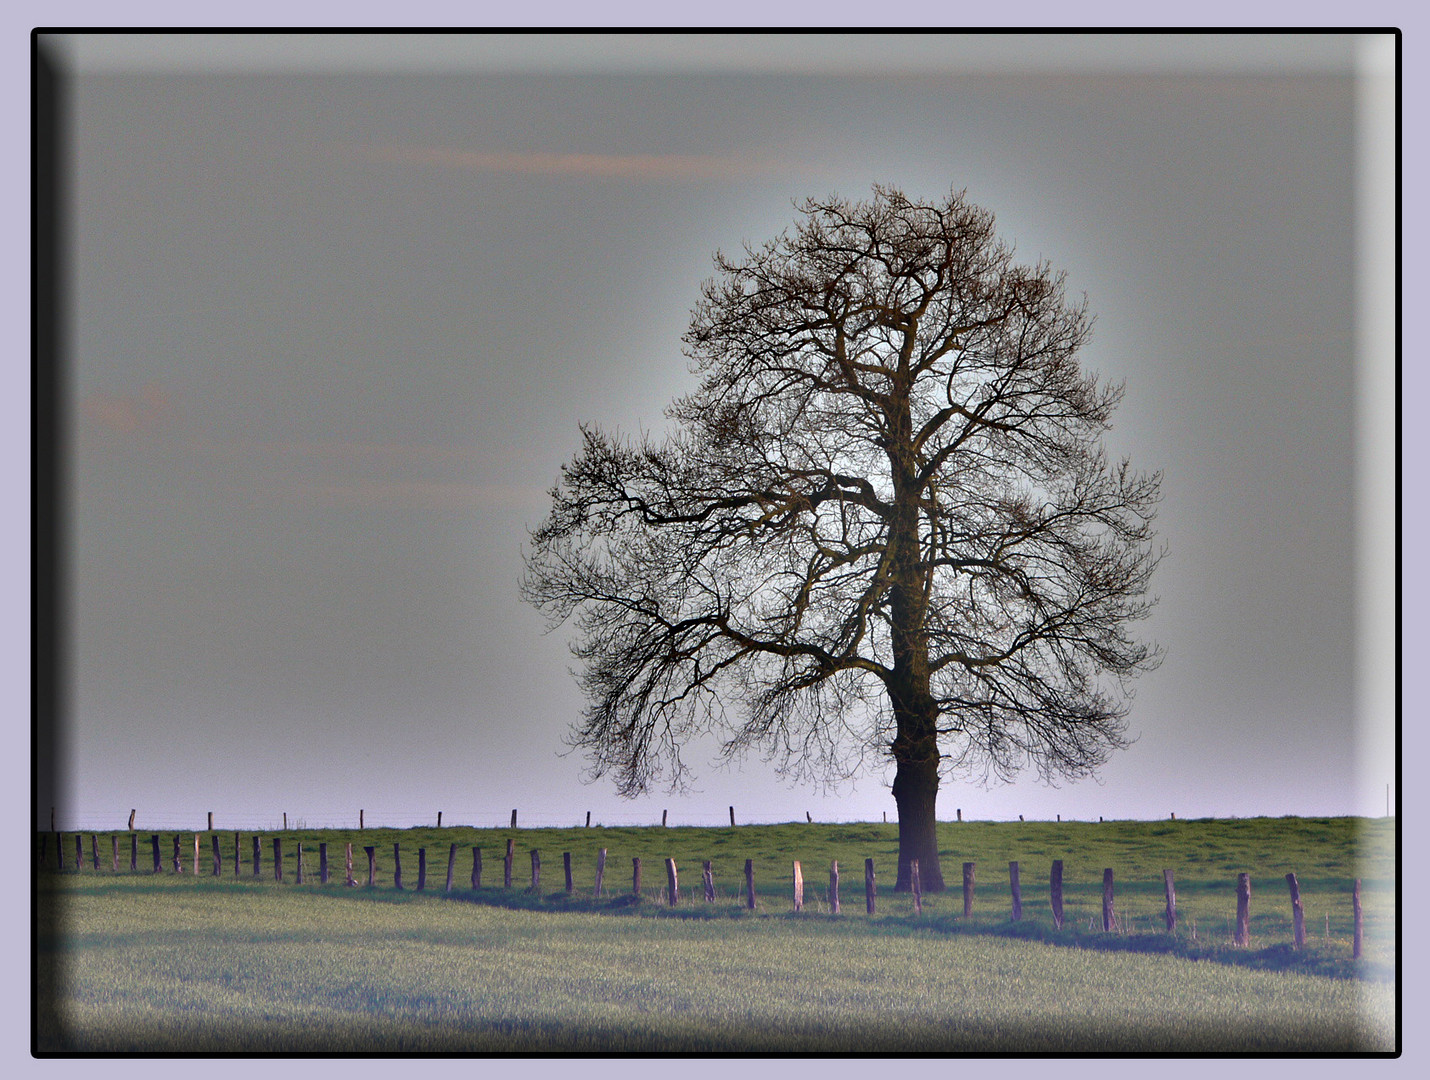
[[162, 962]]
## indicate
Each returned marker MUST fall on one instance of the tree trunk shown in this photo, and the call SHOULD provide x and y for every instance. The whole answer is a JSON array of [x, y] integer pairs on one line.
[[915, 791]]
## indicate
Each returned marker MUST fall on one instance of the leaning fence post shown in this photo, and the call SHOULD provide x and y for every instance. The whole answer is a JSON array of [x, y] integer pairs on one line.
[[397, 866], [566, 866], [1243, 909], [1359, 933], [708, 876], [870, 892], [671, 881], [798, 887], [1109, 916], [834, 887], [451, 866], [371, 865], [1055, 884], [600, 870], [968, 889], [917, 886], [1171, 890], [421, 869], [750, 884], [510, 854], [1016, 891], [1298, 914]]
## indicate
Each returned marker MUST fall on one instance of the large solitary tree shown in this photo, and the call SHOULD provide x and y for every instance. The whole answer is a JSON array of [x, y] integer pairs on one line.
[[884, 526]]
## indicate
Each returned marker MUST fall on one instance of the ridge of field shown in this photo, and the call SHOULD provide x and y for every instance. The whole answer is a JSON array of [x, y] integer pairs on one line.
[[1205, 855]]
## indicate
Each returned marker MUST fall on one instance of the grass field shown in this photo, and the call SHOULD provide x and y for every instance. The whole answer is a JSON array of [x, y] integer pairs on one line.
[[165, 962]]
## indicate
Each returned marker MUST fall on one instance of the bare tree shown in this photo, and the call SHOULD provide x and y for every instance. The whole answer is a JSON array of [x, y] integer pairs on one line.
[[884, 526]]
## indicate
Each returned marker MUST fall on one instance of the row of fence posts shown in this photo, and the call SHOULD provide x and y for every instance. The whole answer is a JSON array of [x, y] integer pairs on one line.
[[1241, 936]]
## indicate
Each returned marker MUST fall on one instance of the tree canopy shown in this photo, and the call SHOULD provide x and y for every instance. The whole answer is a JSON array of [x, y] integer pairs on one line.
[[883, 527]]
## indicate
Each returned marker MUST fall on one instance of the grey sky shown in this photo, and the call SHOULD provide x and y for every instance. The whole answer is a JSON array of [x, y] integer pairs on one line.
[[334, 333]]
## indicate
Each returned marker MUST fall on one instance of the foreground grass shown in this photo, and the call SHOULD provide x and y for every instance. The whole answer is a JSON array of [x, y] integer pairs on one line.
[[166, 965]]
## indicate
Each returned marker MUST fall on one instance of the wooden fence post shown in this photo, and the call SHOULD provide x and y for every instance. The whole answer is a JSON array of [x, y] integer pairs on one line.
[[535, 871], [968, 889], [78, 851], [257, 858], [154, 843], [566, 866], [1171, 890], [59, 848], [94, 850], [178, 864], [870, 891], [600, 870], [1359, 933], [1055, 883], [211, 821], [451, 866], [349, 880], [397, 866], [299, 860], [834, 887], [917, 885], [513, 818], [285, 820], [322, 863], [421, 869], [196, 856], [663, 813], [1016, 891], [506, 863], [134, 852], [277, 859], [218, 858], [1298, 914], [750, 884], [708, 878], [114, 851], [237, 855], [1109, 916], [1243, 909], [371, 865], [360, 819], [671, 882], [636, 877], [131, 820], [439, 819], [732, 817], [798, 887], [476, 868], [588, 819]]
